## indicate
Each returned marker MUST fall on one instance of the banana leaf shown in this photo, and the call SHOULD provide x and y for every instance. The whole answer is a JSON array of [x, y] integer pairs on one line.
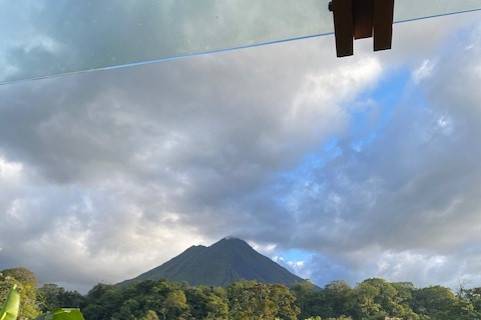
[[11, 307], [62, 314]]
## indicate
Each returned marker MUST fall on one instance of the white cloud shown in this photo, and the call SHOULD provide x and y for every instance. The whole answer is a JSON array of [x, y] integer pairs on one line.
[[9, 170], [111, 173], [424, 71]]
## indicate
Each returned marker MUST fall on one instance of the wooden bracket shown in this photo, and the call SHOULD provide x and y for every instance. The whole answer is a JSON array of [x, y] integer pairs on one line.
[[359, 19]]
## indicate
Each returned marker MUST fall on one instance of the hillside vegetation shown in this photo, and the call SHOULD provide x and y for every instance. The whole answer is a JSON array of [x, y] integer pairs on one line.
[[248, 300]]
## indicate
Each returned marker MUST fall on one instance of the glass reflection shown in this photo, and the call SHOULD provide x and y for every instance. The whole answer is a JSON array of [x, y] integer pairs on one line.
[[39, 39]]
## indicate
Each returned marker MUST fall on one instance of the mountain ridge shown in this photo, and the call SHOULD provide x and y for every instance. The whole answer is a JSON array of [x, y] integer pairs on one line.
[[227, 260]]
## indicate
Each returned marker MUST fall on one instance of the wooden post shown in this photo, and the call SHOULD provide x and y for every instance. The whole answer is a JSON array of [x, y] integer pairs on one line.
[[343, 26], [358, 19], [383, 21]]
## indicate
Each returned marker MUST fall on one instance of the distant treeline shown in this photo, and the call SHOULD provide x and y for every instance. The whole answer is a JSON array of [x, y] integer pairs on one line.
[[248, 300]]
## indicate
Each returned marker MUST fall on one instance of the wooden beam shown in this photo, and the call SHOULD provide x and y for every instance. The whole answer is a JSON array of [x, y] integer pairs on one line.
[[343, 26], [363, 18], [358, 19], [383, 21]]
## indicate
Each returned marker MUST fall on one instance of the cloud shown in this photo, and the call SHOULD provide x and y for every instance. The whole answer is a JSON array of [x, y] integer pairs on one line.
[[110, 173], [40, 39], [405, 205], [136, 164], [76, 235], [424, 71]]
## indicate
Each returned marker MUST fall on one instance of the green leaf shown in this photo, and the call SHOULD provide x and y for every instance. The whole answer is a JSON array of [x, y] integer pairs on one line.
[[62, 314], [11, 307]]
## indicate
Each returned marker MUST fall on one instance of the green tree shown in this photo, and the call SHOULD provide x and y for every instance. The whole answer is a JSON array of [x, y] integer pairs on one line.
[[102, 302], [26, 284], [51, 297], [207, 303], [150, 315], [338, 297], [472, 297], [377, 299], [252, 300], [23, 275], [441, 303], [175, 305], [331, 302], [306, 294], [285, 302]]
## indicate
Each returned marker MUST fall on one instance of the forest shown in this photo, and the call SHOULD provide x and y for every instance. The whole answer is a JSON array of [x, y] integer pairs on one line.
[[247, 300]]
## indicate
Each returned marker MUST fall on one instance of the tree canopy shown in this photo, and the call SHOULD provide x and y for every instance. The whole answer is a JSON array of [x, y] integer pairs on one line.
[[371, 299]]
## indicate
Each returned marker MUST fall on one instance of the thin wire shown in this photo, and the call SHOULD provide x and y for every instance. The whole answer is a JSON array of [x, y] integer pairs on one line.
[[208, 52], [172, 58], [438, 15]]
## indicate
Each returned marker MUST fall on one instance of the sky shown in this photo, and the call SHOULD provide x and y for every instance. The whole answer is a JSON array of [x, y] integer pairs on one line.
[[366, 166]]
